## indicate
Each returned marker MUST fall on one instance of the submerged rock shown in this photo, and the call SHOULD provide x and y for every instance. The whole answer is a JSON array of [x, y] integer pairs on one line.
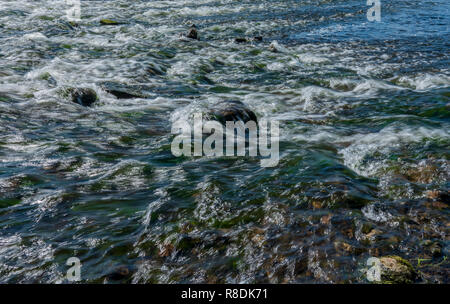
[[243, 40], [233, 110], [396, 270], [240, 40], [82, 96]]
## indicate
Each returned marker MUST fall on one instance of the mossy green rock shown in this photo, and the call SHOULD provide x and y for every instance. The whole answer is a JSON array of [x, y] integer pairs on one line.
[[396, 270]]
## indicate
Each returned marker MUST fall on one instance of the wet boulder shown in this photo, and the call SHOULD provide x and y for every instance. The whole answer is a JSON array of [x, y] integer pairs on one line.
[[245, 40], [437, 195], [124, 91], [233, 110], [82, 96]]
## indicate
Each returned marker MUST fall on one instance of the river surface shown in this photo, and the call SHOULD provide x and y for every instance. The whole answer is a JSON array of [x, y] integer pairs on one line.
[[364, 114]]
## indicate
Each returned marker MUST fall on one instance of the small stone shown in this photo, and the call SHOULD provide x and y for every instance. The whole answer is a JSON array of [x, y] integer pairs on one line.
[[192, 34], [432, 194], [123, 91], [274, 47], [393, 240], [436, 250], [325, 220], [343, 246], [316, 204], [240, 40], [436, 205], [109, 22], [119, 273], [396, 270], [373, 233], [74, 24], [166, 250], [258, 38], [366, 228], [442, 196]]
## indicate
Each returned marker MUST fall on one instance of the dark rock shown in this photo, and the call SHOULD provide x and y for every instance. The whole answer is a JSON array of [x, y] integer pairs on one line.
[[192, 33], [109, 22], [121, 95], [233, 110], [123, 91], [434, 248], [120, 273], [443, 196], [258, 38], [82, 96], [240, 40]]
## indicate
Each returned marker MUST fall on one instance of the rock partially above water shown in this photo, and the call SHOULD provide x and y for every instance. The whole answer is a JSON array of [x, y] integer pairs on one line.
[[233, 110], [396, 270], [240, 40], [192, 33], [82, 96]]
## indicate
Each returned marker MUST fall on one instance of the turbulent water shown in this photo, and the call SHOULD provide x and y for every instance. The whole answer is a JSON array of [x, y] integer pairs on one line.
[[364, 118]]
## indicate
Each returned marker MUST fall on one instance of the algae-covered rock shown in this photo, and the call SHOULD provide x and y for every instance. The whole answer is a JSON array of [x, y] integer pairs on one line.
[[396, 270]]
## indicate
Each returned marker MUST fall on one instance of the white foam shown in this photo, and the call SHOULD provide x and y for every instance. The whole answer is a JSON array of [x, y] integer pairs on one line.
[[357, 155]]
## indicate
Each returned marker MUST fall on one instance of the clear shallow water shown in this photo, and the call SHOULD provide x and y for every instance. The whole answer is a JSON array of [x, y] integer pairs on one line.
[[364, 116]]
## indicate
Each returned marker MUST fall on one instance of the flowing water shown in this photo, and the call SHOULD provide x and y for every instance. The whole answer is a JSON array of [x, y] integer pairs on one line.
[[364, 121]]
